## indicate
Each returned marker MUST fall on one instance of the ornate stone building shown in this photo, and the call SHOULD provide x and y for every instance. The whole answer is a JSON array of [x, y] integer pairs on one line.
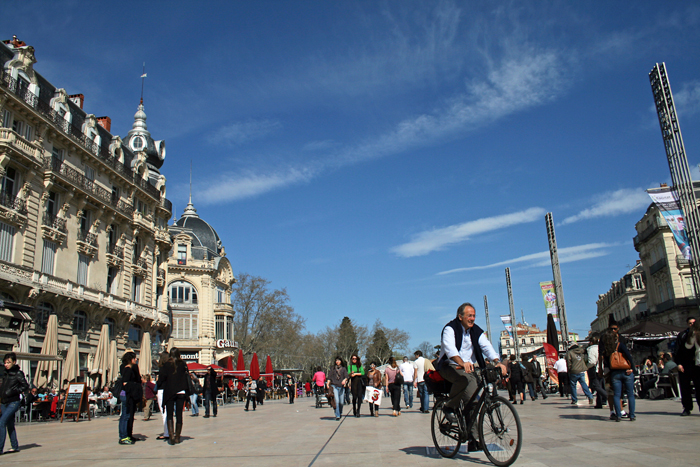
[[626, 301], [83, 215], [199, 288]]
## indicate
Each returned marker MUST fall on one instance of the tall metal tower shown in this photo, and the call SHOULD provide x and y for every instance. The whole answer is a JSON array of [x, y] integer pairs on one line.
[[677, 162], [488, 321], [512, 316], [556, 275]]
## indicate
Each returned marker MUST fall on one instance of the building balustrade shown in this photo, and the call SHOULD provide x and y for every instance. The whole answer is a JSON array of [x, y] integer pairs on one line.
[[54, 222]]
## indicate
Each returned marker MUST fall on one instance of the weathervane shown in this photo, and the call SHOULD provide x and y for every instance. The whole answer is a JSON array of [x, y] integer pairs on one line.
[[143, 78]]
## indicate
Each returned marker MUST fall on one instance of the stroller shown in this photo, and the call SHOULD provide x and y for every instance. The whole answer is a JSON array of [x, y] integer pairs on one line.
[[320, 396]]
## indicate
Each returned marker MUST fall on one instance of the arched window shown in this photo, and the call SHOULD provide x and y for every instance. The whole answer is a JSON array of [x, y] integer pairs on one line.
[[79, 322], [181, 292], [134, 335], [183, 298]]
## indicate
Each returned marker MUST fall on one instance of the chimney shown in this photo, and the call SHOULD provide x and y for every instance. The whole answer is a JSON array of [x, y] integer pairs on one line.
[[77, 99], [663, 185], [105, 122]]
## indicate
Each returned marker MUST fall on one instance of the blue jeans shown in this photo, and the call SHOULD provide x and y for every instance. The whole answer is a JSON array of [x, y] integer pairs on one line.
[[7, 422], [531, 389], [339, 394], [124, 416], [579, 378], [408, 394], [620, 379], [193, 402], [423, 396]]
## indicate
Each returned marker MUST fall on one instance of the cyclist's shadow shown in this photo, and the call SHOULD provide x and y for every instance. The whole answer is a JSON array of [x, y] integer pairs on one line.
[[431, 452]]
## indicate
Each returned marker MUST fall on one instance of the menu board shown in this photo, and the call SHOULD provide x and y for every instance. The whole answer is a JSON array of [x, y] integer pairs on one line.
[[76, 401]]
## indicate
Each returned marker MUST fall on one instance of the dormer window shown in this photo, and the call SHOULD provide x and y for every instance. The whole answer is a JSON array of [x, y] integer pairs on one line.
[[138, 143]]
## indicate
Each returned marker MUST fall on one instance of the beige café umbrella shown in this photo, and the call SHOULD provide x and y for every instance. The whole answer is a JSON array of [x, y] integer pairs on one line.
[[101, 361], [24, 365], [45, 369], [70, 368], [145, 355], [113, 367]]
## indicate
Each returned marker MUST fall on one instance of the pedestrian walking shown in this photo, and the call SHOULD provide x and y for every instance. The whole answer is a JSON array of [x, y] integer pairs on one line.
[[210, 392], [516, 374], [14, 384], [173, 378], [251, 392], [164, 358], [262, 387], [149, 396], [528, 376], [577, 365], [374, 378], [537, 376], [408, 371], [390, 379], [194, 397], [595, 377], [563, 376], [130, 394], [419, 381], [688, 364], [337, 379], [615, 357], [357, 386], [291, 388]]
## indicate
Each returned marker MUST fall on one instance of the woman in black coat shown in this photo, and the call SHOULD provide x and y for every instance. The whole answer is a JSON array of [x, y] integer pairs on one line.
[[13, 385], [130, 394], [174, 380]]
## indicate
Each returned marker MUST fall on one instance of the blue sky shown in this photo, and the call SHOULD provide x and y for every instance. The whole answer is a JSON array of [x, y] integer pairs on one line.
[[388, 160]]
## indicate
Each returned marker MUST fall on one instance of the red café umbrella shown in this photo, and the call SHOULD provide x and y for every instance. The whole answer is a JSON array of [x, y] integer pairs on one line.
[[240, 364], [228, 363], [269, 370], [254, 367]]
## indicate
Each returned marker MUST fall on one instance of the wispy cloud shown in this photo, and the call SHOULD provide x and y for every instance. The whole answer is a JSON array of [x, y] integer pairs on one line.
[[613, 203], [566, 255], [437, 239], [687, 100], [246, 185], [238, 133]]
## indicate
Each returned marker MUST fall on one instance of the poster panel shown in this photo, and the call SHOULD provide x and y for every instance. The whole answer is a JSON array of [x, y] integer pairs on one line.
[[667, 201], [550, 299]]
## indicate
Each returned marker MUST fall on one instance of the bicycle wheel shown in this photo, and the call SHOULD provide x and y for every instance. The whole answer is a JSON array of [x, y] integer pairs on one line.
[[445, 433], [500, 431]]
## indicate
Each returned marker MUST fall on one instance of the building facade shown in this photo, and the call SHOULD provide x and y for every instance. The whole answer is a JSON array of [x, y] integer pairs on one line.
[[83, 215], [200, 278], [530, 339], [626, 302]]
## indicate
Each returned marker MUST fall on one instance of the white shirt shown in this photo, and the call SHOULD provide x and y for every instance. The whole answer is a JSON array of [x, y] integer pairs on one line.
[[466, 352], [560, 366], [419, 365], [407, 371]]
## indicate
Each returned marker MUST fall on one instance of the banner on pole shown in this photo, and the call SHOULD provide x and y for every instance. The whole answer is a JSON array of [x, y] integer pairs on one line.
[[667, 201], [506, 322], [550, 299], [551, 356]]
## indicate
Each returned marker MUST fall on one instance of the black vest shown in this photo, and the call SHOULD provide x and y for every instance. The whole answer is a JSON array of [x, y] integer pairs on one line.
[[474, 334]]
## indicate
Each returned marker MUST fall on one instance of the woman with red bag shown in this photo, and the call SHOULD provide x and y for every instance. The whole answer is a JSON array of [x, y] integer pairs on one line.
[[617, 360]]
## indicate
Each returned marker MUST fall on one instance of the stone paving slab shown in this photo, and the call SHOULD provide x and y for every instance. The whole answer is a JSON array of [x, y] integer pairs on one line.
[[555, 434]]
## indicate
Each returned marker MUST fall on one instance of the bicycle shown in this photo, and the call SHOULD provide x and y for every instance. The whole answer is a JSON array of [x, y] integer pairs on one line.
[[499, 425]]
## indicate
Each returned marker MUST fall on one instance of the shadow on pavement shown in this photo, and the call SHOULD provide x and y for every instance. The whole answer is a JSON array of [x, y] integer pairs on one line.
[[584, 417], [429, 452], [29, 446]]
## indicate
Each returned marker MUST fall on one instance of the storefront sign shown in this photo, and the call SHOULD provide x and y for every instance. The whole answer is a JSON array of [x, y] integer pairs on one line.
[[190, 357], [225, 344]]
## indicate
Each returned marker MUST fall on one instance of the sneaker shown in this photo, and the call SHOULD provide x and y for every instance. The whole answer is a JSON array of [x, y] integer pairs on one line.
[[574, 402], [474, 446], [125, 441], [450, 414], [591, 401], [633, 419], [337, 418], [623, 414]]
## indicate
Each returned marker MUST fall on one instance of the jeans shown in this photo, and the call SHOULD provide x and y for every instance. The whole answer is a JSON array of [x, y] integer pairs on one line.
[[208, 400], [620, 379], [124, 417], [531, 390], [194, 410], [7, 423], [408, 394], [423, 396], [339, 394], [579, 378]]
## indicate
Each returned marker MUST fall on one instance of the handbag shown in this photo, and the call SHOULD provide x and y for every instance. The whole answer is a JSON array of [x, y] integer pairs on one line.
[[398, 379], [618, 361]]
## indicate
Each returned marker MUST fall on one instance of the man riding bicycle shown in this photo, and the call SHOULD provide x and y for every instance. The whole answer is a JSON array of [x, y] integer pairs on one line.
[[463, 344]]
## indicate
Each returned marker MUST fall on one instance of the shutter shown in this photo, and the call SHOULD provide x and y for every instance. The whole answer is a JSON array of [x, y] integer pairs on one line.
[[7, 235], [83, 262], [49, 254]]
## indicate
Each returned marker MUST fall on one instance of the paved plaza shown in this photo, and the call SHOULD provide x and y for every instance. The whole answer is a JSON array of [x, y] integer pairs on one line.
[[555, 434]]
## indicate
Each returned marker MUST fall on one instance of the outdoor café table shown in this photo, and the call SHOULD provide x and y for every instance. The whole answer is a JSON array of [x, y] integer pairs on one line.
[[40, 406]]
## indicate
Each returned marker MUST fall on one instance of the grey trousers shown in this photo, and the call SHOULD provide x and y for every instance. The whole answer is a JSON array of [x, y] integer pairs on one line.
[[463, 384]]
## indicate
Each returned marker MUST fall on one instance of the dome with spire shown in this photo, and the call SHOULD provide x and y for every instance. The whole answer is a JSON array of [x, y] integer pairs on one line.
[[139, 140], [206, 243]]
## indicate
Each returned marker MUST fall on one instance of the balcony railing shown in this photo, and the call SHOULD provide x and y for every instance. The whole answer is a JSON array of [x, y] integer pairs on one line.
[[142, 263], [13, 202], [117, 251], [56, 223], [87, 237]]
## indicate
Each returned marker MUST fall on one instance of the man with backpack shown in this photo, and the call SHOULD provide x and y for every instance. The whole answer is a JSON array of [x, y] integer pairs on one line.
[[537, 376], [194, 410]]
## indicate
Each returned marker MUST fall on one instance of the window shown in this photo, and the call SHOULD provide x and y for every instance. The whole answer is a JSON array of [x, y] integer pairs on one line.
[[183, 293], [185, 325], [85, 222], [7, 237], [115, 194], [79, 322], [135, 334], [532, 340], [9, 181], [181, 251], [523, 341], [229, 327], [27, 132], [90, 175], [507, 342], [6, 121], [220, 330], [638, 282], [43, 310], [136, 289], [669, 290], [112, 325], [52, 204], [57, 153], [48, 257], [17, 126], [661, 294], [83, 263], [688, 286], [112, 238], [159, 297], [219, 294], [112, 280], [136, 250]]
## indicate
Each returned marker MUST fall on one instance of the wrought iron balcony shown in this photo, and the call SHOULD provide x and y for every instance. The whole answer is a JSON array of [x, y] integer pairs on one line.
[[13, 202], [87, 237], [56, 223], [116, 250]]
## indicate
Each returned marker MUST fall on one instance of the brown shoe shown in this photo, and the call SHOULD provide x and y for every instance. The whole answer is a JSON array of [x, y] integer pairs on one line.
[[178, 430]]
